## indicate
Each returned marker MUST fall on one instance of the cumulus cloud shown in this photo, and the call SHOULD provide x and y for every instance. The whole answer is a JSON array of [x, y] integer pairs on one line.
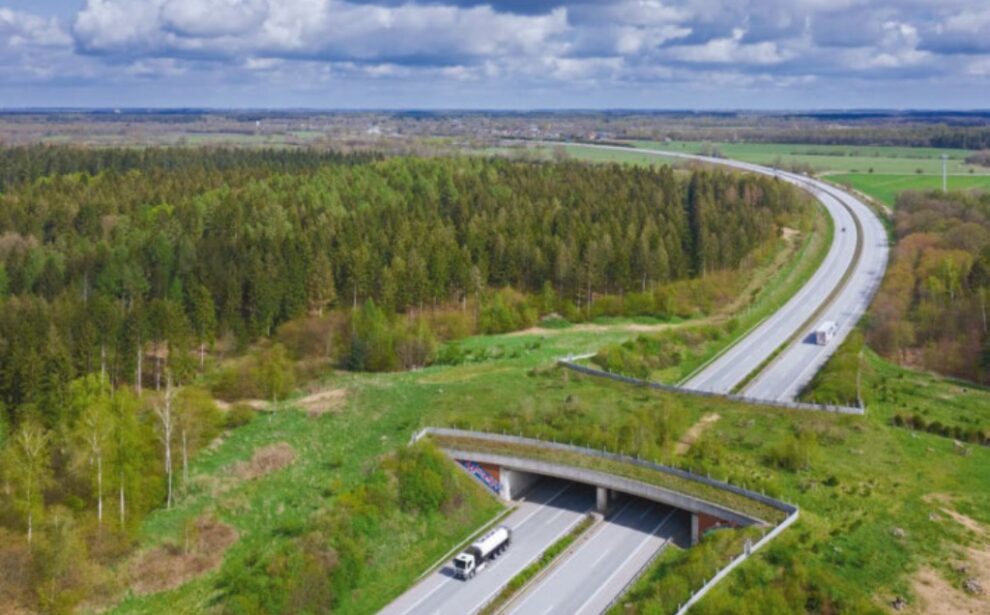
[[18, 29], [311, 29], [730, 50], [512, 43]]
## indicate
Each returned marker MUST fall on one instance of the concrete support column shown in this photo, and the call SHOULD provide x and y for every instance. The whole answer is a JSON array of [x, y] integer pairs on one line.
[[601, 499], [695, 530], [513, 483]]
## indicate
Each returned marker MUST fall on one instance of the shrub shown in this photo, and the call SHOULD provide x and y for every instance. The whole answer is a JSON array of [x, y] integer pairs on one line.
[[238, 415]]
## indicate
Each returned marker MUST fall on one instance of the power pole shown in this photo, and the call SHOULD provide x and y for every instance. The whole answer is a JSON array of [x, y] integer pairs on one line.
[[945, 175]]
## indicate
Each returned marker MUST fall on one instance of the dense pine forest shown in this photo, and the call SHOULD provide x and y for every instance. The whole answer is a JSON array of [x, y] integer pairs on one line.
[[931, 311], [123, 271]]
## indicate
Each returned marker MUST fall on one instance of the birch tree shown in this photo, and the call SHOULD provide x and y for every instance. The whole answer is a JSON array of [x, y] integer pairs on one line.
[[125, 449], [197, 420], [93, 433], [32, 470], [166, 423]]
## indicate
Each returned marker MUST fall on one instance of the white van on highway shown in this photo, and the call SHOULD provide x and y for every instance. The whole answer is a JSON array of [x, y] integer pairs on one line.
[[825, 332]]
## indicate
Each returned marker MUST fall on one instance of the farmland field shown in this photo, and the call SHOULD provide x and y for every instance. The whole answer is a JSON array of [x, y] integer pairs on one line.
[[832, 158], [885, 187]]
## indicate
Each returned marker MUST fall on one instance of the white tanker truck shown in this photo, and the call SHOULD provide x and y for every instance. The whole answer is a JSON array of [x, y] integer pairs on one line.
[[474, 558]]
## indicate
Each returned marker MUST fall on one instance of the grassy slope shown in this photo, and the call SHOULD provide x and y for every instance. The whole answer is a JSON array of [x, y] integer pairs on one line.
[[881, 472], [885, 187], [882, 477]]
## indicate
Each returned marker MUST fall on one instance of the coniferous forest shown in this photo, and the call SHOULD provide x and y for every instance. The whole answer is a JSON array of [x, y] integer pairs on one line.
[[121, 270]]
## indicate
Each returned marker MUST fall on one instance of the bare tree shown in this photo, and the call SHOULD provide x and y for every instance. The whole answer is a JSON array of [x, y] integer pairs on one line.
[[166, 419]]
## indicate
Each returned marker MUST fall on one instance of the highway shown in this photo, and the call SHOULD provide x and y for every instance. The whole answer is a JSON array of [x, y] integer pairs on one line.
[[548, 512], [841, 298], [607, 561], [793, 369]]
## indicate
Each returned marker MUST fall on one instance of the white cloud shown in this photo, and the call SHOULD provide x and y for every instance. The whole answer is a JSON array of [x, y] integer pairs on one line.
[[643, 45], [19, 29], [327, 29], [731, 50]]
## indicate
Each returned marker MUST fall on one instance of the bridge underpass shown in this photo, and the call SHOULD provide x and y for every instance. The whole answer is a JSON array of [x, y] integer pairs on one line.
[[511, 478], [552, 487]]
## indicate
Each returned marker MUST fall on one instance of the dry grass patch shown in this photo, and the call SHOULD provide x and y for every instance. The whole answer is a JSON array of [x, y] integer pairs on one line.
[[265, 460], [322, 402], [205, 542], [938, 595], [15, 574]]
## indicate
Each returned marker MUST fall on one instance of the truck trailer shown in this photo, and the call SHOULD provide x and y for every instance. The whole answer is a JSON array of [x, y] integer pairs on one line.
[[476, 556], [825, 332]]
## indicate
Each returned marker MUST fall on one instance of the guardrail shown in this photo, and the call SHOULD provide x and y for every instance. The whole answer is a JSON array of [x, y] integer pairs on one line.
[[792, 405], [601, 454], [739, 559]]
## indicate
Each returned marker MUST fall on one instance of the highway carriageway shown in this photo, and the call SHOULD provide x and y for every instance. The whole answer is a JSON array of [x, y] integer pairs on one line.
[[555, 486], [778, 357]]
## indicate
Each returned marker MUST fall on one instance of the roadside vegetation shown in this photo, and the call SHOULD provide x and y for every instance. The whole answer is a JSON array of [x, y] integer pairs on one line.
[[673, 355], [932, 310]]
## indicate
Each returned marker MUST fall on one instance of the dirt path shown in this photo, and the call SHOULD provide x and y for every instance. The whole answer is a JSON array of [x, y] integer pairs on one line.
[[692, 434], [594, 328]]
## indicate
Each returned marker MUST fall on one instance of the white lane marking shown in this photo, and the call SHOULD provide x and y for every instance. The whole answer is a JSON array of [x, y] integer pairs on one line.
[[605, 552], [619, 568], [428, 594], [569, 527], [540, 507], [533, 591], [518, 525]]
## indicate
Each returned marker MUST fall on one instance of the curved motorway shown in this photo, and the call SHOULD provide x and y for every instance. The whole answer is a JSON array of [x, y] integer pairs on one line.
[[840, 290]]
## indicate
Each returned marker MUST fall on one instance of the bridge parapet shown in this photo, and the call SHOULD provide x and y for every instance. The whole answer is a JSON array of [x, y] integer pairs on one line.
[[674, 486]]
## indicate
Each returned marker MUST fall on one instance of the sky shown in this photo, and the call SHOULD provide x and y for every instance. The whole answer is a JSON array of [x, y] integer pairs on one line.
[[496, 54]]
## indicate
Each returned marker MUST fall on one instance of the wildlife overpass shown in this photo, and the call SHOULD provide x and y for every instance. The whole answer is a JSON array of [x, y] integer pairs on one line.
[[644, 507]]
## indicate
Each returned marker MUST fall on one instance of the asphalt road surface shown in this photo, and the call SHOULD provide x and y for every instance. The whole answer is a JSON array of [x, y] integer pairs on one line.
[[794, 367], [549, 511], [784, 378], [604, 564]]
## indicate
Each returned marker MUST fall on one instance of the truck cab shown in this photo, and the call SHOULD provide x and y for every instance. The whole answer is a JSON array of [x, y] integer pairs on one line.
[[464, 566]]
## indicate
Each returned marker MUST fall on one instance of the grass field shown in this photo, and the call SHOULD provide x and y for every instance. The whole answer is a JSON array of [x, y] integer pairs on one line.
[[885, 187], [833, 158], [862, 476], [580, 152]]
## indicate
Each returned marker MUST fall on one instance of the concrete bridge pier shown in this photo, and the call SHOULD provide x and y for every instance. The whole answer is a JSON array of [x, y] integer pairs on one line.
[[601, 500], [513, 483], [701, 523]]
